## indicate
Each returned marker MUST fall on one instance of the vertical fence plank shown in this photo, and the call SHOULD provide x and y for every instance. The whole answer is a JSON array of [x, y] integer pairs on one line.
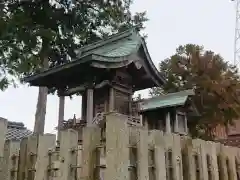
[[203, 159], [10, 160], [31, 155], [214, 164], [3, 131], [22, 159], [142, 154], [222, 163], [160, 155], [177, 159], [91, 139], [45, 143], [188, 150], [117, 141], [68, 154]]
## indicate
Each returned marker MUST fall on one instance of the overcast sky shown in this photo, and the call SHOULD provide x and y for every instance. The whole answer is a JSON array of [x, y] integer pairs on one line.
[[171, 23]]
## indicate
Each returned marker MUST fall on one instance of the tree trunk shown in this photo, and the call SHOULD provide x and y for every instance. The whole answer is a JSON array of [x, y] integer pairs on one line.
[[41, 106]]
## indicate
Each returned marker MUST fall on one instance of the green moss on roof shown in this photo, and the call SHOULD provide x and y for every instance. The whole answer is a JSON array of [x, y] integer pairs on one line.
[[168, 100]]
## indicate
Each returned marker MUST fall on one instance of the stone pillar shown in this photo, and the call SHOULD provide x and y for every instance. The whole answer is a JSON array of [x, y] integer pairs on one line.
[[68, 153], [159, 155], [91, 139], [117, 147], [89, 107], [10, 161], [168, 123], [45, 143], [189, 165], [60, 114], [177, 160], [214, 164], [142, 154], [203, 159], [111, 100]]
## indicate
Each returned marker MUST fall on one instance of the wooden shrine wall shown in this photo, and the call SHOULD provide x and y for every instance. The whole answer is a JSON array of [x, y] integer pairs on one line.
[[129, 153]]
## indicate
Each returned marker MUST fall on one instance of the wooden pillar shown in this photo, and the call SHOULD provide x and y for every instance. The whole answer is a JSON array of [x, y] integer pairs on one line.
[[141, 119], [168, 123], [111, 100], [60, 114], [145, 122], [89, 106], [84, 107], [176, 123], [186, 125]]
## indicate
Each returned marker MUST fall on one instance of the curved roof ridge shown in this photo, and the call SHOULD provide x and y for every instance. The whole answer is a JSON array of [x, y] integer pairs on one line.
[[188, 92], [109, 39]]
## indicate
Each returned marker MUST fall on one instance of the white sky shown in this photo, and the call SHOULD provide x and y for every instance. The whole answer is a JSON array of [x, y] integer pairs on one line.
[[171, 23]]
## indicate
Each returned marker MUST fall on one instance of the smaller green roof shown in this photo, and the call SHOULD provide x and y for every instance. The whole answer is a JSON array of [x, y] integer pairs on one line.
[[168, 100]]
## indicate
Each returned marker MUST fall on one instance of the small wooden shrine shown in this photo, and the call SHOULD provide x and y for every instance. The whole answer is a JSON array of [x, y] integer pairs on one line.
[[106, 74], [169, 112]]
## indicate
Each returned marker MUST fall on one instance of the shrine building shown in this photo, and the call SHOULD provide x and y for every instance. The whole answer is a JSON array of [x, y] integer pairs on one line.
[[106, 74]]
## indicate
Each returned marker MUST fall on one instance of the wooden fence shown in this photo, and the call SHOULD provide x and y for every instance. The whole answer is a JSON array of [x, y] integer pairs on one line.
[[118, 153]]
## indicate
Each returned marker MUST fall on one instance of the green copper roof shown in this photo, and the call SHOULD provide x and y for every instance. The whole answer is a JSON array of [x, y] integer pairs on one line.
[[116, 51], [168, 100]]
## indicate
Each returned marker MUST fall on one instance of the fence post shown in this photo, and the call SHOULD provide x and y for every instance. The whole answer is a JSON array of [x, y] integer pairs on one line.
[[177, 157], [10, 160], [142, 154], [117, 142], [189, 152], [22, 159], [159, 155], [214, 164], [27, 157], [203, 159], [91, 139], [45, 142], [3, 131], [68, 154]]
